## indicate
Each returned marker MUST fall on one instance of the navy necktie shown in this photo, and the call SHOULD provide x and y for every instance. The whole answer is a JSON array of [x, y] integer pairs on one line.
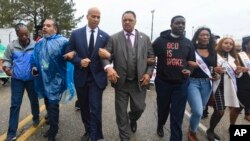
[[91, 42]]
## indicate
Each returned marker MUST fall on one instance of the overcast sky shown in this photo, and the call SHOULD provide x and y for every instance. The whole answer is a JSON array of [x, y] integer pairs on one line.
[[223, 17]]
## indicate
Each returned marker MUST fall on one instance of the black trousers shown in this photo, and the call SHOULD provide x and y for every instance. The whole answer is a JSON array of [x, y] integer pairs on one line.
[[90, 101], [53, 115]]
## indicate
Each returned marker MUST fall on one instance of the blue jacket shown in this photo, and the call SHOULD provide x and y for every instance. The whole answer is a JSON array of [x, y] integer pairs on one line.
[[19, 59]]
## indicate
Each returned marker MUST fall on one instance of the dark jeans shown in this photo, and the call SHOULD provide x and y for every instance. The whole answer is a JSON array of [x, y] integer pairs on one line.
[[171, 98], [53, 116], [17, 91]]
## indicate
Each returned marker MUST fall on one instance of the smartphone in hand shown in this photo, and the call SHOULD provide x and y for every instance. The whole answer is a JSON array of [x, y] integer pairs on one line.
[[35, 72]]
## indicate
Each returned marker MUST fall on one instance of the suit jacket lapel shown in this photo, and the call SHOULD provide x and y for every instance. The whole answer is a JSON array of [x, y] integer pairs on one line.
[[138, 43], [97, 44], [123, 44], [84, 41]]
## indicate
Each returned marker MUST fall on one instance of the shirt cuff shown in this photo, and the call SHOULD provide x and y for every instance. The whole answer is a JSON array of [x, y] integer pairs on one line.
[[107, 66]]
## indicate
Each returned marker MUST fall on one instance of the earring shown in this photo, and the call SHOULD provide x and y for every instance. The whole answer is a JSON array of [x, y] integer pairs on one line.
[[196, 42]]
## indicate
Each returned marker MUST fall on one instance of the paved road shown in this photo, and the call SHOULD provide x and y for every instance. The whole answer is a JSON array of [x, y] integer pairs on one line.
[[71, 127]]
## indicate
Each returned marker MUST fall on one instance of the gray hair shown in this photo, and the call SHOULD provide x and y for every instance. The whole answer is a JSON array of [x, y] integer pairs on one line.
[[18, 26]]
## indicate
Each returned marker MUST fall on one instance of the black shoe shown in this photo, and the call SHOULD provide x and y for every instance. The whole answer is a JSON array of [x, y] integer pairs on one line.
[[160, 131], [211, 136], [204, 116], [47, 122], [10, 139], [217, 137], [85, 137], [5, 80], [133, 126], [36, 123], [51, 139], [46, 119], [77, 109], [77, 105], [46, 134]]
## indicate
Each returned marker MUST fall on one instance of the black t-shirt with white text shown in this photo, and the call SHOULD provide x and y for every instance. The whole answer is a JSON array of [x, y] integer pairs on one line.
[[173, 54]]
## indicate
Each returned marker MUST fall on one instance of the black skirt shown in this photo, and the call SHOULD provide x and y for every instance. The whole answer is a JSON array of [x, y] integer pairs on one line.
[[244, 90], [219, 103]]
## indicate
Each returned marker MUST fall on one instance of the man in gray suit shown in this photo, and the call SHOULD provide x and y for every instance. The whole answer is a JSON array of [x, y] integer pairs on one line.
[[129, 50]]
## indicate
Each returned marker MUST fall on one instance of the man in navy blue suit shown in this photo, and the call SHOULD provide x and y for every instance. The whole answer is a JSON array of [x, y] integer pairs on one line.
[[89, 75]]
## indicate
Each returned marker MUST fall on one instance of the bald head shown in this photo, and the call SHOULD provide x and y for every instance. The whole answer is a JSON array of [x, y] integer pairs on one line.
[[93, 17], [93, 9]]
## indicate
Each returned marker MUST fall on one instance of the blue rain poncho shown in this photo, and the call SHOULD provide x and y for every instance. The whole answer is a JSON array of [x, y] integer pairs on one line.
[[55, 75]]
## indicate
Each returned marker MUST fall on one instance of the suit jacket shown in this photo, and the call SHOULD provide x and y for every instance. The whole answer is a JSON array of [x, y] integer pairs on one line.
[[78, 42], [117, 47]]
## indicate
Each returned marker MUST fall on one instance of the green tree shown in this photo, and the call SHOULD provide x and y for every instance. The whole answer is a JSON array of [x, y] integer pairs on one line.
[[34, 12], [7, 13]]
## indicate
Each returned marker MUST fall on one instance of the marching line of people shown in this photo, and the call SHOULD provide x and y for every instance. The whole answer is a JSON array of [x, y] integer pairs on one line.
[[187, 71]]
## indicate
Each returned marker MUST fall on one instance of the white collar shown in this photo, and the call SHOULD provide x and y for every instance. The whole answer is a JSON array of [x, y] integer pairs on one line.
[[174, 36], [89, 29], [132, 33]]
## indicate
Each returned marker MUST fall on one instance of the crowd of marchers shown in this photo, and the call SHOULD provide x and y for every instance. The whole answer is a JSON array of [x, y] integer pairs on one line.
[[195, 71]]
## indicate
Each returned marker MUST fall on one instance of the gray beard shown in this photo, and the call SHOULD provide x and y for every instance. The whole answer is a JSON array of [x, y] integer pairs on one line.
[[46, 35]]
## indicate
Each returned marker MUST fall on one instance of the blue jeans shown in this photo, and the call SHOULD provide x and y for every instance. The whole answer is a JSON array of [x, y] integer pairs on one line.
[[199, 91], [171, 98], [17, 91]]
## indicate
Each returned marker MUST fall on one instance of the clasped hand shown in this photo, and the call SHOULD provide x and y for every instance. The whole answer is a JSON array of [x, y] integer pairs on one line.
[[240, 69], [112, 75], [145, 80], [186, 73], [219, 69], [69, 55], [85, 62], [8, 71]]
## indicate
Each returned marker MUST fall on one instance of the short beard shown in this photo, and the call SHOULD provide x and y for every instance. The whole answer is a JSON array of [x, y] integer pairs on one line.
[[46, 35]]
